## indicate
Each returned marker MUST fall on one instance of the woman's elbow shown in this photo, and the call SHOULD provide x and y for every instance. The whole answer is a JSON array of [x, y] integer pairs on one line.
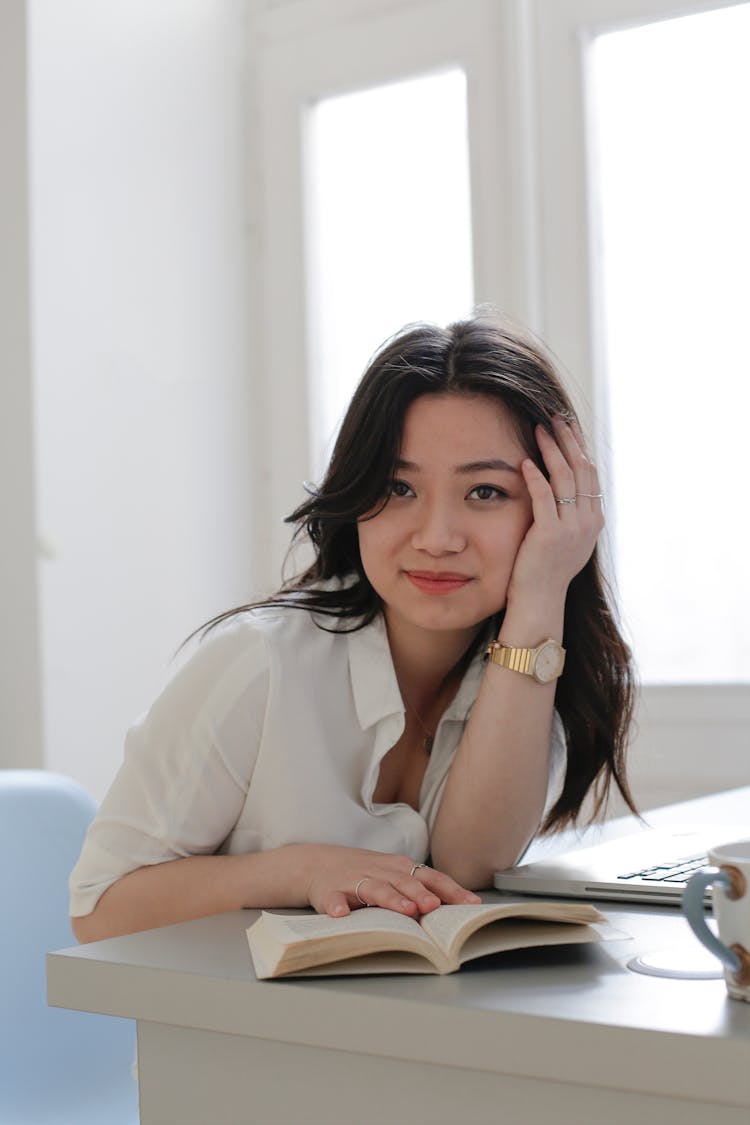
[[476, 872], [85, 927], [102, 922]]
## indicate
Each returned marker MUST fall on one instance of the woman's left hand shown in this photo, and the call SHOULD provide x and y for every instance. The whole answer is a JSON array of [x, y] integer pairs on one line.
[[562, 536]]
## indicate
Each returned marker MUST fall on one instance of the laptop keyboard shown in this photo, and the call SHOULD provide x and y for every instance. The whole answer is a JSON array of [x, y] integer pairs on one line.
[[679, 871]]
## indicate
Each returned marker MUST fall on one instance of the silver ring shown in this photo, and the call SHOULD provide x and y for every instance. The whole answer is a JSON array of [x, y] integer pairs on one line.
[[357, 885], [416, 867], [565, 499], [592, 495]]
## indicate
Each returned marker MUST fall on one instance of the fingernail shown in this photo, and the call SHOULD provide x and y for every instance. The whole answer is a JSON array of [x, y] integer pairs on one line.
[[406, 903]]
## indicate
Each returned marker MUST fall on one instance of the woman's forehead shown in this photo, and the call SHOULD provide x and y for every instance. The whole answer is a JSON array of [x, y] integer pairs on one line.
[[461, 428]]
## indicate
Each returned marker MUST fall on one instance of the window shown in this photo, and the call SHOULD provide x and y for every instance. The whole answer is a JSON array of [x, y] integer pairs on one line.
[[672, 183], [389, 171], [694, 709], [388, 228]]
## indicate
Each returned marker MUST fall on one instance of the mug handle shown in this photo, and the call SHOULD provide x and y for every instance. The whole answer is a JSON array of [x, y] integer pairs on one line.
[[692, 908]]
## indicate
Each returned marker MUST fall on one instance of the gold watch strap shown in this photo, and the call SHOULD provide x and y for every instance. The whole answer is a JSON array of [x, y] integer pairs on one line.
[[517, 659]]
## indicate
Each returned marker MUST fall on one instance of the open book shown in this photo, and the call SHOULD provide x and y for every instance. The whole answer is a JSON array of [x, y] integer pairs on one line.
[[383, 941]]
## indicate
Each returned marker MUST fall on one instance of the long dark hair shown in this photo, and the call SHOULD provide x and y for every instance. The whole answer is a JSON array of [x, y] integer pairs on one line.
[[479, 356]]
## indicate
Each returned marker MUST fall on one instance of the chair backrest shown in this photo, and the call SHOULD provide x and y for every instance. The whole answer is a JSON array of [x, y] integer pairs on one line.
[[55, 1066]]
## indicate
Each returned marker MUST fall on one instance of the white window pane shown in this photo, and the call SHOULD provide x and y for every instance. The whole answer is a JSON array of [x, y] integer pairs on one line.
[[670, 105], [388, 227]]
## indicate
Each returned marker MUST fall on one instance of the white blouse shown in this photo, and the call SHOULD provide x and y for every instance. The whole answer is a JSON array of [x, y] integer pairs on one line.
[[272, 733]]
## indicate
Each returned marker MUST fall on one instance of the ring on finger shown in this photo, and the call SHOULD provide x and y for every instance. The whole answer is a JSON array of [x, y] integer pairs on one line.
[[416, 867], [591, 495], [567, 499], [357, 885]]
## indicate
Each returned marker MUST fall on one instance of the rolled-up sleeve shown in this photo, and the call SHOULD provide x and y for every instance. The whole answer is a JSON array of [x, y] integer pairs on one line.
[[187, 766]]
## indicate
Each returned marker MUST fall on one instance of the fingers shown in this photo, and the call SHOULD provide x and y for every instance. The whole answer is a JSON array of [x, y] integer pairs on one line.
[[568, 464], [562, 477], [406, 896], [588, 488], [553, 501], [567, 514], [336, 905], [445, 888], [572, 473], [377, 879], [419, 893], [543, 504]]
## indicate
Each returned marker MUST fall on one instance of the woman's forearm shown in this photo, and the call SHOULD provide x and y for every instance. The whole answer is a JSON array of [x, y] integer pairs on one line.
[[495, 793], [324, 876], [193, 887]]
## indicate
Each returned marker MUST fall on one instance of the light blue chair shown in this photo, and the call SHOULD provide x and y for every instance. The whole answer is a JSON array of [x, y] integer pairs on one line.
[[56, 1067]]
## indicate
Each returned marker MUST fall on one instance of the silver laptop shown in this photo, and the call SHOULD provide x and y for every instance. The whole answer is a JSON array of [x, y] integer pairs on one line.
[[650, 866]]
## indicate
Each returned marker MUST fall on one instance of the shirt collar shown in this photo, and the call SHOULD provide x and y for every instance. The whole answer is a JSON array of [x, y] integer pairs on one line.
[[373, 676]]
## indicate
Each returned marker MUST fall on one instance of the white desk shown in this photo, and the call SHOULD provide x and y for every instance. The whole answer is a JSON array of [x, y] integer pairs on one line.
[[569, 1036]]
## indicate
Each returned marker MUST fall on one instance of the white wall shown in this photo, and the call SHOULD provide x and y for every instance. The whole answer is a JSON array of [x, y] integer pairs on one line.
[[20, 710], [142, 240]]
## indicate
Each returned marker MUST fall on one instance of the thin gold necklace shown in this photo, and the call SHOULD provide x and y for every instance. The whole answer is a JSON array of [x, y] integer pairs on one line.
[[428, 735], [429, 738]]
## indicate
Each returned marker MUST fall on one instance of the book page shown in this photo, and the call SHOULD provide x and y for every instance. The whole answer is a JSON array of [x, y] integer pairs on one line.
[[520, 933], [288, 929], [446, 923], [282, 944], [370, 964], [450, 926]]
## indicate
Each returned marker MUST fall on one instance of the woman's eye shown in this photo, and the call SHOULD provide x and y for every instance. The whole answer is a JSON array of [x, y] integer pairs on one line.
[[487, 492], [399, 488]]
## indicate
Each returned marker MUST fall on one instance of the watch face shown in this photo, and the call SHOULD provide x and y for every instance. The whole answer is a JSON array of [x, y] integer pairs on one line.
[[549, 662]]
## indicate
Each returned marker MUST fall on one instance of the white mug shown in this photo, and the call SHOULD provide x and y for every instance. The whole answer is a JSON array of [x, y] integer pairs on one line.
[[730, 880]]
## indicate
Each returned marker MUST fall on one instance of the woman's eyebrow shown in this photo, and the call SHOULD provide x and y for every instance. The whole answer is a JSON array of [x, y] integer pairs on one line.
[[496, 465], [493, 465]]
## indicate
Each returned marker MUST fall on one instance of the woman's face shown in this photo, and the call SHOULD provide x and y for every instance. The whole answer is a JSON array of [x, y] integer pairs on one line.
[[441, 552]]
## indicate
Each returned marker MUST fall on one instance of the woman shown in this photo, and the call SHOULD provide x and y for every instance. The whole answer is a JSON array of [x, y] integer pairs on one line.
[[391, 727]]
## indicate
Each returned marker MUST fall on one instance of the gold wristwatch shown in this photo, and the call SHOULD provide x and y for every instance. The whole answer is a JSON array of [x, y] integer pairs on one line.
[[544, 663]]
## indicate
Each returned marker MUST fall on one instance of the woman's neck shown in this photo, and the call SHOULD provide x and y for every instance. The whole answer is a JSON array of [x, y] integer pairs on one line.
[[428, 663]]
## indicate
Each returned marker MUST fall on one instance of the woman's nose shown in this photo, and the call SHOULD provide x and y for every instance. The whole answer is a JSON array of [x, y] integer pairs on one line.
[[438, 530]]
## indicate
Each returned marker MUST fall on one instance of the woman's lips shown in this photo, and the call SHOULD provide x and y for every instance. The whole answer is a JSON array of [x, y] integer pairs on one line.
[[442, 583]]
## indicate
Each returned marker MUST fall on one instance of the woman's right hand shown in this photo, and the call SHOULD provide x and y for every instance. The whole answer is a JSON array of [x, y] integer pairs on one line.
[[331, 873]]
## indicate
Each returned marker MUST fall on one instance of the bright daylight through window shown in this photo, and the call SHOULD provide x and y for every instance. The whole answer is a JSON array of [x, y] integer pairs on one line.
[[669, 105], [388, 227]]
